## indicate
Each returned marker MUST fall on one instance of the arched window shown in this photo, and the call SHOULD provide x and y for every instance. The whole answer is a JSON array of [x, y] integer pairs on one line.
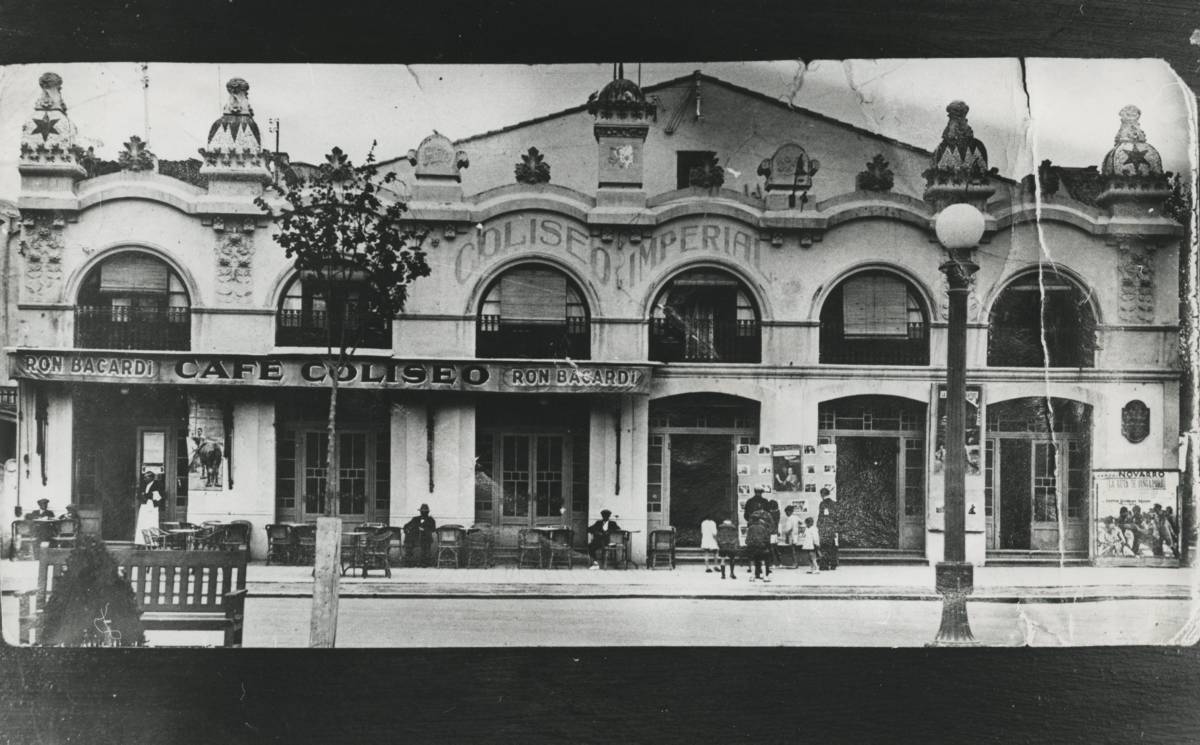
[[705, 315], [874, 318], [1042, 319], [533, 312], [316, 311], [133, 300]]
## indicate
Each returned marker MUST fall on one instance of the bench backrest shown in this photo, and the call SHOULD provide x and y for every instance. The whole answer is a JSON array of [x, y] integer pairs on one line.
[[162, 580]]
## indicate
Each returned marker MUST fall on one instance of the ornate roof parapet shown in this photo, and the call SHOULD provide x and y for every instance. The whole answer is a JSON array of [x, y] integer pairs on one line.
[[1132, 177], [622, 121], [788, 175], [437, 169], [49, 160], [958, 170], [234, 159]]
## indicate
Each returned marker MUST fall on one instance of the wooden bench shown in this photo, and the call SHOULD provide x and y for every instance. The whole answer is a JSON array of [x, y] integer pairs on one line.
[[175, 590]]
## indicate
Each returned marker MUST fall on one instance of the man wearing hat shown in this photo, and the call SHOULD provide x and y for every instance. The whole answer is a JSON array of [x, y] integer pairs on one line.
[[418, 534], [599, 532], [43, 510]]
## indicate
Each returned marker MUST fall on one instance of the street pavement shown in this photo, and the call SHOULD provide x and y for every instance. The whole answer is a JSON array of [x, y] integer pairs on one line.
[[857, 605]]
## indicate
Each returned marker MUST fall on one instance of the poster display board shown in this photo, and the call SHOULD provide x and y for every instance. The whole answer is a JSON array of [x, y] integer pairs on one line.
[[1136, 517], [975, 520], [791, 474], [206, 445]]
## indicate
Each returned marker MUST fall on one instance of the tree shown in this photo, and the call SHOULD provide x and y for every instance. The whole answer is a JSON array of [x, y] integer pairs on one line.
[[343, 228], [92, 604]]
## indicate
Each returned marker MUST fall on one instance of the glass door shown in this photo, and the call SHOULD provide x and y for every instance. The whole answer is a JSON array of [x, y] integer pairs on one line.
[[534, 479], [352, 463]]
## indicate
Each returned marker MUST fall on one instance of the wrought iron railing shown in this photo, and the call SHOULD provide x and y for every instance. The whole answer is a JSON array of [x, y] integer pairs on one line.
[[301, 328], [496, 337], [131, 327], [911, 349], [694, 340]]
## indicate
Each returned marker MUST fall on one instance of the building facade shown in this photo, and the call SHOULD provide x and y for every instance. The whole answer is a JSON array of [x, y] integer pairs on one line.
[[621, 294]]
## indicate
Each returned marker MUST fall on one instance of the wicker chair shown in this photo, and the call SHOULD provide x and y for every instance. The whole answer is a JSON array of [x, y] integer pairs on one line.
[[529, 543], [236, 536], [155, 539], [449, 541], [479, 547], [68, 532], [662, 548], [281, 545], [306, 543], [617, 549], [23, 537], [375, 552], [560, 546]]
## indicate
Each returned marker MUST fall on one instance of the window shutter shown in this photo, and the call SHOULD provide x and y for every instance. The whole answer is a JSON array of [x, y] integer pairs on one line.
[[875, 306], [134, 274], [533, 295]]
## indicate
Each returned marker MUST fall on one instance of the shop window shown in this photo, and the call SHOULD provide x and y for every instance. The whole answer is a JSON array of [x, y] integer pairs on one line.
[[533, 312], [133, 301], [874, 318], [685, 161], [705, 315], [1042, 320], [320, 311]]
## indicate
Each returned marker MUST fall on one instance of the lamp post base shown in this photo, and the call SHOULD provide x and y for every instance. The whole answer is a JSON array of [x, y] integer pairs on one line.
[[955, 581]]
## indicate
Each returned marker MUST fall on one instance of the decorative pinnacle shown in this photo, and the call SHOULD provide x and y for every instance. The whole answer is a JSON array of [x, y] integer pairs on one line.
[[239, 101], [51, 98], [957, 130], [1130, 130]]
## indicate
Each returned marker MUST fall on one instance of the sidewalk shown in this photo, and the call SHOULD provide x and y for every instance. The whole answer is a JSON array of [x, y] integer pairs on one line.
[[992, 584]]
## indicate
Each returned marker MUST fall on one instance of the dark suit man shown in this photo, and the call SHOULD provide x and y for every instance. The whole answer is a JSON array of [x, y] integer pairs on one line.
[[418, 536], [827, 527], [754, 504], [599, 533]]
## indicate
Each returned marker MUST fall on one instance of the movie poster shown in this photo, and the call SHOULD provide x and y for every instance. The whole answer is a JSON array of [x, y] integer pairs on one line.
[[1136, 517], [206, 445], [975, 518]]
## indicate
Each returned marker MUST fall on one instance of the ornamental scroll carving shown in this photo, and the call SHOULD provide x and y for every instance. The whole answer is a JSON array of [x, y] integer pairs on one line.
[[1136, 303], [235, 259], [42, 248]]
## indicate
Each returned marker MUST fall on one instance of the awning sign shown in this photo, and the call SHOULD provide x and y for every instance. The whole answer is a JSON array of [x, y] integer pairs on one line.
[[359, 373]]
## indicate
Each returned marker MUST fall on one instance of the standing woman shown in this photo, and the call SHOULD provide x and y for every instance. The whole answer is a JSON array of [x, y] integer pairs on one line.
[[149, 498]]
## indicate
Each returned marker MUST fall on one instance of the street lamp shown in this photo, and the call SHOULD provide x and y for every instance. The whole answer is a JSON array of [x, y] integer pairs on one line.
[[959, 227]]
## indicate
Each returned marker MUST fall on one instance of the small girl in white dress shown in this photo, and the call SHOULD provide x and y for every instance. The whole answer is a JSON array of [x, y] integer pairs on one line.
[[708, 542]]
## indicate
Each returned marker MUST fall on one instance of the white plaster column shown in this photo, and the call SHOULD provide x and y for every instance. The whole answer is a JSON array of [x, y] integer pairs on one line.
[[58, 488]]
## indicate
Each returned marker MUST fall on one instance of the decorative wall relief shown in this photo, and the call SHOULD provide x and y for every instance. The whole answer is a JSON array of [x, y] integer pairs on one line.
[[1135, 421], [235, 258], [533, 168], [1136, 303], [42, 247]]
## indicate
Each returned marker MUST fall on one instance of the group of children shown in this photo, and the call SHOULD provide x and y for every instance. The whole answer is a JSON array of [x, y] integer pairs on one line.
[[765, 533]]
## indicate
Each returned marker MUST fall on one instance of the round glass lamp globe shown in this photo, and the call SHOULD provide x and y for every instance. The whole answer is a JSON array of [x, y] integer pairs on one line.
[[959, 226]]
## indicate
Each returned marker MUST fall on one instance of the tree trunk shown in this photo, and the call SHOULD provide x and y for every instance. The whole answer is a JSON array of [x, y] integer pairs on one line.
[[1189, 410], [331, 481]]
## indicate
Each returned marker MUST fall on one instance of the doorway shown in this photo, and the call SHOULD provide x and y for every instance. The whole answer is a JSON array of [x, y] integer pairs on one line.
[[1037, 461], [119, 434], [881, 470], [691, 473]]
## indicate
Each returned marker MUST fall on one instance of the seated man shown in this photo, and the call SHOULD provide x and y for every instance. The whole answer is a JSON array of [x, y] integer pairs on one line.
[[418, 537], [599, 534], [43, 510]]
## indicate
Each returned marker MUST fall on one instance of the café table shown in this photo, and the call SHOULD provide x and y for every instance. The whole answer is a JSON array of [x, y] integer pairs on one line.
[[186, 535]]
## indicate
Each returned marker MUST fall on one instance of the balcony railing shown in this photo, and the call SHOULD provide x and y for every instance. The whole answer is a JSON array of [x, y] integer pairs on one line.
[[130, 327], [300, 328], [496, 337], [912, 349], [690, 340]]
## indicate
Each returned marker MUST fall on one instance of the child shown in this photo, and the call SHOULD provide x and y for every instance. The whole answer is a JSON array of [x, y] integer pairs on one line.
[[727, 544], [758, 545], [708, 543], [810, 539], [789, 533]]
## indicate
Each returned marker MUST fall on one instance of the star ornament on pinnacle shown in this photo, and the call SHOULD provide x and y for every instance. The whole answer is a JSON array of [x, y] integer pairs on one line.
[[1136, 159], [45, 127]]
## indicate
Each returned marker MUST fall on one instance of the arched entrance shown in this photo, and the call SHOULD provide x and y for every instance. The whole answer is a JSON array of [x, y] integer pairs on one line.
[[1037, 457], [880, 470], [691, 474]]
